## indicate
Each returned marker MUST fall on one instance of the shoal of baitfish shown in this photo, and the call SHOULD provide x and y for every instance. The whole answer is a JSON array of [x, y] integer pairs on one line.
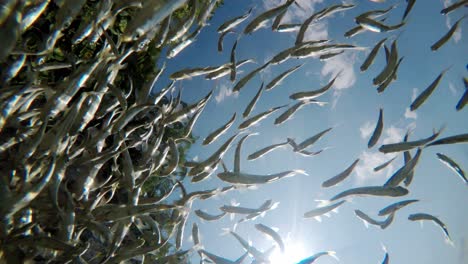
[[77, 150]]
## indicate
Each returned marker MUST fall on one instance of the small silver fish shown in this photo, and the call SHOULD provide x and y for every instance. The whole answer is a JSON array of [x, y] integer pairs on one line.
[[377, 131], [404, 171], [453, 7], [271, 233], [424, 216], [422, 97], [448, 35], [253, 102], [372, 191], [317, 212], [396, 206], [232, 23], [384, 165], [368, 220], [277, 80], [259, 117], [218, 132], [341, 176], [451, 164]]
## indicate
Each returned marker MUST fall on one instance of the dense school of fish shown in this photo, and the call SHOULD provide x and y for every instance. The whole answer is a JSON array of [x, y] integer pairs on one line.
[[76, 153]]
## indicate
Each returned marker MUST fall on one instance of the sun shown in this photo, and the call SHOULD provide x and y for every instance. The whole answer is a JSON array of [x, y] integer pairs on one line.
[[292, 254]]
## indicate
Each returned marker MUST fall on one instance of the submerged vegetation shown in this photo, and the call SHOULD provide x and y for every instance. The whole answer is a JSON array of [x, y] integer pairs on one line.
[[91, 157]]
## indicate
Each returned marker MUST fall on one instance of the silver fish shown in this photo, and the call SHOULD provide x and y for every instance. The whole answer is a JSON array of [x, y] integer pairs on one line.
[[253, 102], [260, 153], [225, 70], [384, 165], [151, 14], [370, 58], [368, 220], [271, 233], [218, 132], [409, 6], [453, 7], [231, 209], [376, 26], [277, 20], [232, 23], [424, 216], [372, 191], [396, 206], [317, 212], [341, 176], [213, 158], [325, 57], [422, 97], [447, 36], [406, 159], [293, 109], [402, 146], [391, 78], [403, 172], [390, 67], [314, 93], [256, 254], [377, 131], [244, 178], [314, 257], [207, 12], [237, 155], [277, 80], [306, 143], [221, 38], [233, 62], [242, 82], [259, 117], [220, 260], [193, 72], [461, 138], [208, 217], [260, 21], [451, 164], [317, 16], [183, 44], [463, 100]]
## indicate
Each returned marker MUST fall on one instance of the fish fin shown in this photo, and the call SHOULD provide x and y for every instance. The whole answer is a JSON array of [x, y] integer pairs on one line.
[[365, 224], [274, 205], [327, 214], [333, 255], [335, 210], [449, 241], [318, 218], [231, 216], [275, 228], [322, 202]]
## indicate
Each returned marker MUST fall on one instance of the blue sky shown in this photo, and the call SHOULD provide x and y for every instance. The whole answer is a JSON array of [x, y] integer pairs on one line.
[[352, 110]]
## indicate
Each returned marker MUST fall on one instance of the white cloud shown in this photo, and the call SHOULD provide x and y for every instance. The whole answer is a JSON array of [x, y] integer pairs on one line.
[[294, 13], [393, 134], [448, 22], [365, 169], [366, 129], [410, 114], [452, 88], [371, 159], [343, 63], [224, 92], [414, 94]]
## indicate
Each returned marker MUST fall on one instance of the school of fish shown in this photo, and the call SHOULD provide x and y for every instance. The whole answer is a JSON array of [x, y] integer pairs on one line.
[[80, 138]]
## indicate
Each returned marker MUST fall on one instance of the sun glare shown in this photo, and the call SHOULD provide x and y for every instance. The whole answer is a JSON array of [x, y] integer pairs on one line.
[[293, 253]]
